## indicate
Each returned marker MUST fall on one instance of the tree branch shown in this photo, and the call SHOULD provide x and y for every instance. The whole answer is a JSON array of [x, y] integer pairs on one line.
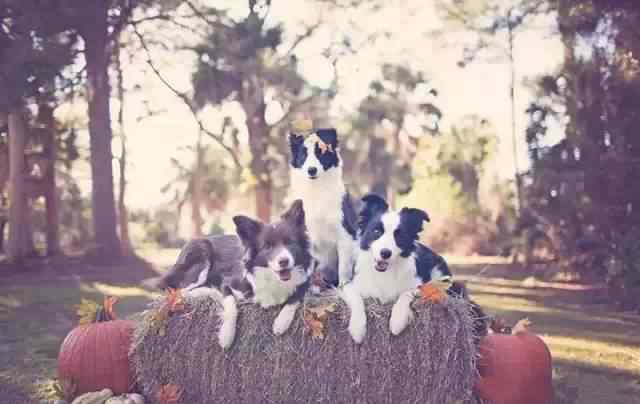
[[187, 101], [308, 32]]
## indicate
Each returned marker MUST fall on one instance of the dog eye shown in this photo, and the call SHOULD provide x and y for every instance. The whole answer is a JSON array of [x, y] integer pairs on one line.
[[377, 231]]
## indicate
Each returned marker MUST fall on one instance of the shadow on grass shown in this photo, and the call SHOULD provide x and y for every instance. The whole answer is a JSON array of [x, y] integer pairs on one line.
[[35, 320]]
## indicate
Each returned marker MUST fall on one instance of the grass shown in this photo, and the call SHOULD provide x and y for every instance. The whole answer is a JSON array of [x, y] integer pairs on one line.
[[596, 350]]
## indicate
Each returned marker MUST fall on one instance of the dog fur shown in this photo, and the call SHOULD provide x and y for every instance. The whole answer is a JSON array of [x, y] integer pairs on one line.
[[316, 178], [391, 263]]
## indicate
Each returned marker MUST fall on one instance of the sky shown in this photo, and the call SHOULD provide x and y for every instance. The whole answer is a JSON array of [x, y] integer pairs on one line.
[[480, 88]]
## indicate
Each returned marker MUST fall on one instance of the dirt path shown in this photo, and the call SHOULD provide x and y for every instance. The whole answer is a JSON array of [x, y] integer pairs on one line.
[[596, 350]]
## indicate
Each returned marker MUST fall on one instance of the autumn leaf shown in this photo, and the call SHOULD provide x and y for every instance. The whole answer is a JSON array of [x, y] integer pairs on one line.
[[315, 318], [521, 327], [87, 311], [302, 126], [158, 321], [169, 394], [320, 312], [430, 292], [324, 147], [314, 326], [175, 300]]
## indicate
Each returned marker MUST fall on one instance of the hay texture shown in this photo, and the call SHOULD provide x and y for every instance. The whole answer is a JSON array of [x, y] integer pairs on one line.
[[432, 362]]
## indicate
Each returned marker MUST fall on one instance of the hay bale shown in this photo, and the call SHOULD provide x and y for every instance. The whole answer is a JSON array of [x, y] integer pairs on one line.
[[432, 362]]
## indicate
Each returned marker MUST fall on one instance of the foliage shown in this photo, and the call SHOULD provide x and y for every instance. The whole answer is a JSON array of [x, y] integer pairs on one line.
[[387, 127], [578, 191]]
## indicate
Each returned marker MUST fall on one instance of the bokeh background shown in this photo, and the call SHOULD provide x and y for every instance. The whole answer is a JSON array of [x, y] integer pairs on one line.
[[130, 126]]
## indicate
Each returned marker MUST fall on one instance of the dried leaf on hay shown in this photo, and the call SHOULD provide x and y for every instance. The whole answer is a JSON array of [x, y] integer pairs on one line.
[[55, 389], [87, 310], [315, 319], [172, 303], [434, 291], [169, 394]]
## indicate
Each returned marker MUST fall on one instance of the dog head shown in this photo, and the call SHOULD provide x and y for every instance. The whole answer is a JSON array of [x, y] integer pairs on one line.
[[386, 234], [282, 247], [314, 156]]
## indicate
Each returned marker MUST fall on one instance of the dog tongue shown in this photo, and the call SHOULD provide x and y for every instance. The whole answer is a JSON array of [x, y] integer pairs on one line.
[[285, 275]]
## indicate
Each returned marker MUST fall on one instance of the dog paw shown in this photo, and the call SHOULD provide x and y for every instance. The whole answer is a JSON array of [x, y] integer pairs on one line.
[[358, 329], [226, 335], [281, 325], [401, 317]]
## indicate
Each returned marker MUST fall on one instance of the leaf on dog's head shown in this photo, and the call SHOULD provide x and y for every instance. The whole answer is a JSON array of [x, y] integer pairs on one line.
[[521, 327], [169, 394], [302, 126]]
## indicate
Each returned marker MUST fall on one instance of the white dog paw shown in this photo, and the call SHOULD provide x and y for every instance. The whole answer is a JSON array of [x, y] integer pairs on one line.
[[226, 335], [358, 328], [401, 316], [284, 319], [397, 324]]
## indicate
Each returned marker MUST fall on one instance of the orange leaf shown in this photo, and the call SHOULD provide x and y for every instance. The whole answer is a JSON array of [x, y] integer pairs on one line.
[[324, 147], [313, 326], [175, 300], [169, 394], [320, 312], [521, 327], [431, 293]]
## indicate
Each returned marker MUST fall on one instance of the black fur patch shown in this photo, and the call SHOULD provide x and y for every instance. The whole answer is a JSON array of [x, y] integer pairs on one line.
[[329, 158], [409, 229], [372, 206], [349, 217], [427, 261], [298, 150], [263, 242]]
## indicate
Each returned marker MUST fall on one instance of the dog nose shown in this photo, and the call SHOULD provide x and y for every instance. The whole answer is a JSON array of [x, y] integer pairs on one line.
[[312, 171], [283, 262], [385, 253]]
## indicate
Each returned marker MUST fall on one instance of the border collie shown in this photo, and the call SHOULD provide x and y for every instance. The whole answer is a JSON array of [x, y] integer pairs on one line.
[[316, 178], [277, 270], [390, 264]]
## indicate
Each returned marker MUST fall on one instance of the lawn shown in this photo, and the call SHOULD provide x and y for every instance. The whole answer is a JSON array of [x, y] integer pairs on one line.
[[595, 349]]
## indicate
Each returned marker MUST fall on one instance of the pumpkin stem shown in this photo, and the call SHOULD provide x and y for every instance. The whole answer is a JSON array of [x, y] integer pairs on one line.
[[105, 312]]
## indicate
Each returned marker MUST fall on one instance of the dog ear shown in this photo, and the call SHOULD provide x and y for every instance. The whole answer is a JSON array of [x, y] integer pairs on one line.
[[295, 141], [372, 205], [295, 214], [329, 136], [414, 218], [248, 230]]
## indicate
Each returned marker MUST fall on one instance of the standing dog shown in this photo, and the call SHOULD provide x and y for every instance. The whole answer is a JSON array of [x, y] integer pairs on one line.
[[277, 270], [316, 178], [390, 265]]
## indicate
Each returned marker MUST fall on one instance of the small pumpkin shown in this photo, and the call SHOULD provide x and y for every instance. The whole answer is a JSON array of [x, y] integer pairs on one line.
[[94, 355], [515, 369]]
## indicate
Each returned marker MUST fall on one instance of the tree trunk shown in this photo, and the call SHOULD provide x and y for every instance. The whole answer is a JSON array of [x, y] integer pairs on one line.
[[123, 216], [196, 190], [18, 244], [380, 166], [103, 202], [258, 143], [50, 193]]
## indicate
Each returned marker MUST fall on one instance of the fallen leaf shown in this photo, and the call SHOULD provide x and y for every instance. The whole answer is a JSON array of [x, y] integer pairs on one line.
[[324, 147], [433, 292], [320, 312], [87, 311], [169, 394], [521, 327], [174, 300], [313, 325]]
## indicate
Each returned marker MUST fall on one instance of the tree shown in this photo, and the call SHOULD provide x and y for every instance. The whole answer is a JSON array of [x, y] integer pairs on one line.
[[401, 96], [495, 25], [240, 61]]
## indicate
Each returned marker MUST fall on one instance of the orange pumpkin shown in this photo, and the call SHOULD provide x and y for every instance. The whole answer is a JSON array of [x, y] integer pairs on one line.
[[515, 369], [94, 356]]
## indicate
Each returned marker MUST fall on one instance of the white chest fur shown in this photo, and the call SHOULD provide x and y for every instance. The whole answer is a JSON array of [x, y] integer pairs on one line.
[[385, 286], [269, 290]]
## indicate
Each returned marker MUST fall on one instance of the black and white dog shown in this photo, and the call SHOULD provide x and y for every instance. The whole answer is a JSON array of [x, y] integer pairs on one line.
[[391, 263], [278, 267], [316, 178]]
